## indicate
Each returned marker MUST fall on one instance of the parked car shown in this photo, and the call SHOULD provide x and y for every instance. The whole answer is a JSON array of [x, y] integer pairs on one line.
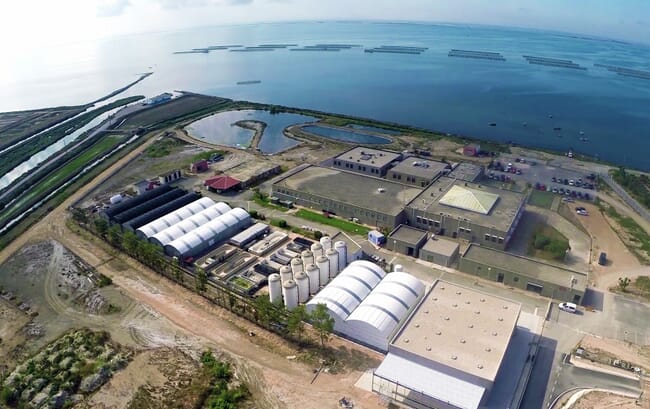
[[568, 307], [602, 258]]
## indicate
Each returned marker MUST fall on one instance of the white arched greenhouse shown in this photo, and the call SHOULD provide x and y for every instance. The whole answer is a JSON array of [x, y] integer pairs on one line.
[[174, 217], [368, 305], [179, 229], [208, 235]]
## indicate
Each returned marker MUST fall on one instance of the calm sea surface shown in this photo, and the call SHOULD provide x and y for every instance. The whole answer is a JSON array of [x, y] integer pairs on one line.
[[430, 90]]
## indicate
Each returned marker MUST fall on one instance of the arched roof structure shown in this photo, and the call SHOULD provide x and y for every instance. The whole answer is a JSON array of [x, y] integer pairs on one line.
[[174, 217], [176, 231]]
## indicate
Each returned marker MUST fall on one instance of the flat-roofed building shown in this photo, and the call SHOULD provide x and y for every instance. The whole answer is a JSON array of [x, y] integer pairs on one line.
[[369, 200], [546, 279], [449, 352], [415, 171], [406, 240], [468, 211], [467, 172], [440, 251], [373, 162]]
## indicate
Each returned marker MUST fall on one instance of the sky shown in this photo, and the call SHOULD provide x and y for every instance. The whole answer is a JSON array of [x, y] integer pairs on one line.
[[27, 23]]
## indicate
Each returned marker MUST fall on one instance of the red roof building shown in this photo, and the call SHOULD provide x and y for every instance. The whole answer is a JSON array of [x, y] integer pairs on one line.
[[472, 150], [222, 183], [200, 166]]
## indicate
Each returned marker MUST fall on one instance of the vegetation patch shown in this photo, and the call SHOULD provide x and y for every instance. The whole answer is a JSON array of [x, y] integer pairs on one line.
[[65, 371], [548, 243], [207, 155], [340, 224], [263, 200], [541, 199], [163, 147], [634, 237], [636, 185]]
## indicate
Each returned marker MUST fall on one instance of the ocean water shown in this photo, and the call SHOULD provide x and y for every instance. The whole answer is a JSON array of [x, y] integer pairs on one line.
[[431, 90]]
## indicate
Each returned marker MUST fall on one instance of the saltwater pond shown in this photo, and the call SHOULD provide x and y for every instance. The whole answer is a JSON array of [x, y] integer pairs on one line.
[[220, 129], [345, 135]]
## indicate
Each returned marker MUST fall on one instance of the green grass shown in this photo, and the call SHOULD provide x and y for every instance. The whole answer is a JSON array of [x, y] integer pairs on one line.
[[206, 155], [547, 243], [541, 199], [162, 148], [265, 203], [340, 224], [240, 282]]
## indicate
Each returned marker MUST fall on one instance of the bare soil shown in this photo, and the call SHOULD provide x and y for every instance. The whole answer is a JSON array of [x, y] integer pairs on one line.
[[603, 400], [636, 354]]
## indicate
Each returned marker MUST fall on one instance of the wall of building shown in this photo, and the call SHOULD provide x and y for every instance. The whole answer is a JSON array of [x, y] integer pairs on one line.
[[344, 210], [409, 249], [437, 258], [395, 176], [522, 281], [365, 167], [400, 394]]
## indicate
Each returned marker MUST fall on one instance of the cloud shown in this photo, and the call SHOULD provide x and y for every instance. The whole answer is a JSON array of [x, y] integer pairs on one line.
[[181, 4], [239, 2], [111, 8]]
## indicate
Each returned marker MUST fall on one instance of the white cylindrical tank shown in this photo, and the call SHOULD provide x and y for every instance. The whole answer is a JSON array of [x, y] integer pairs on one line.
[[342, 248], [286, 274], [323, 263], [313, 272], [398, 268], [303, 286], [326, 242], [275, 288], [317, 249], [333, 257], [290, 294], [296, 265], [307, 257], [116, 199]]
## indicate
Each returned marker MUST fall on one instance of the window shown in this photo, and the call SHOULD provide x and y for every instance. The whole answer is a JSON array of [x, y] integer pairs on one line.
[[436, 223], [468, 230], [418, 220], [494, 239], [500, 240], [487, 237]]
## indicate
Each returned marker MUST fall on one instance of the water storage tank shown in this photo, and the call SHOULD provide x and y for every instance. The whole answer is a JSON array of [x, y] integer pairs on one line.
[[296, 265], [313, 272], [326, 242], [333, 257], [342, 248], [398, 268], [317, 249], [275, 288], [286, 274], [290, 294], [307, 257], [303, 286], [324, 269], [116, 199]]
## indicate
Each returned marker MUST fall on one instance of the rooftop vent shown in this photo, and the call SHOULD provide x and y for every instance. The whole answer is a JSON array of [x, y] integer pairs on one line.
[[454, 357], [426, 311], [500, 319], [494, 334], [442, 287], [462, 341], [488, 349], [505, 307], [406, 341], [479, 366], [470, 326], [454, 305], [438, 333], [446, 318], [477, 312], [428, 348], [435, 298], [417, 325], [482, 299], [467, 302], [458, 293]]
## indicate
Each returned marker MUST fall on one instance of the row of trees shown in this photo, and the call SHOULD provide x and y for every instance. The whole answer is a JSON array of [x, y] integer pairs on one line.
[[260, 310]]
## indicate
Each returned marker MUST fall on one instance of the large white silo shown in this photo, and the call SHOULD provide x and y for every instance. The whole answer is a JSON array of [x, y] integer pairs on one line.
[[307, 257], [317, 249], [296, 265], [303, 286], [342, 248], [286, 274], [313, 272], [275, 288], [326, 242], [333, 257], [290, 294], [323, 263]]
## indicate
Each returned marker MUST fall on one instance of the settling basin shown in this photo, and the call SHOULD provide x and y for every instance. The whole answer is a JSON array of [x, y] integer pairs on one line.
[[345, 135]]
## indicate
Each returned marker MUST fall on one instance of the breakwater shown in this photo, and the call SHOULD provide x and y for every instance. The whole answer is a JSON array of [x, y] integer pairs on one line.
[[480, 55]]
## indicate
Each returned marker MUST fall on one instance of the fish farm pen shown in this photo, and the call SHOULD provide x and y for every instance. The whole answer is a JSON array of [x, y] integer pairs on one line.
[[480, 55], [553, 62], [626, 72], [396, 49]]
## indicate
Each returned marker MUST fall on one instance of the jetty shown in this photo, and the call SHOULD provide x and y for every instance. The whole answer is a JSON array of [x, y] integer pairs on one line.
[[553, 62], [480, 55]]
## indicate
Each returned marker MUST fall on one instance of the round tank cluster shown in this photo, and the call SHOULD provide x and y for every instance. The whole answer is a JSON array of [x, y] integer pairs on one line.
[[286, 274], [302, 281], [313, 273], [307, 257], [275, 288], [326, 242], [342, 248], [317, 249], [296, 265]]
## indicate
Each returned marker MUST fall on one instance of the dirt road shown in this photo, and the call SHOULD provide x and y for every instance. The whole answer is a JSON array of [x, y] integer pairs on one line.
[[289, 382]]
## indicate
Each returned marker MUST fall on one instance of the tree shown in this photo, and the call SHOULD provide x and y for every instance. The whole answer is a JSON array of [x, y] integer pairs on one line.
[[266, 312], [282, 224], [79, 215], [115, 235], [623, 283], [130, 243], [101, 225], [295, 322], [201, 279], [318, 234], [322, 322]]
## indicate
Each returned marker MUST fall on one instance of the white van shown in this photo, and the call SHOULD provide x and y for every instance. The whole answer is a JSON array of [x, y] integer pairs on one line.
[[568, 307]]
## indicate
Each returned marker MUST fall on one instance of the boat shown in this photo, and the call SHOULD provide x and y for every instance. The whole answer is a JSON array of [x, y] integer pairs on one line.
[[492, 124], [525, 124], [550, 116], [557, 128], [582, 132]]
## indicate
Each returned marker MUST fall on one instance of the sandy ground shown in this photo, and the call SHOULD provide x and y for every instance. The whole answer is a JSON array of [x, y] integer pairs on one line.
[[626, 351], [288, 381], [621, 262], [603, 400]]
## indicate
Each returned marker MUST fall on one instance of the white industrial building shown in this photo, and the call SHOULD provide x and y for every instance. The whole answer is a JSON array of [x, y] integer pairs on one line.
[[174, 217], [176, 231], [207, 235], [367, 304], [449, 352]]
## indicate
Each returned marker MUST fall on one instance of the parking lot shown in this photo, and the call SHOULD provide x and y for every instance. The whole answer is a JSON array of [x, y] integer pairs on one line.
[[542, 177]]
